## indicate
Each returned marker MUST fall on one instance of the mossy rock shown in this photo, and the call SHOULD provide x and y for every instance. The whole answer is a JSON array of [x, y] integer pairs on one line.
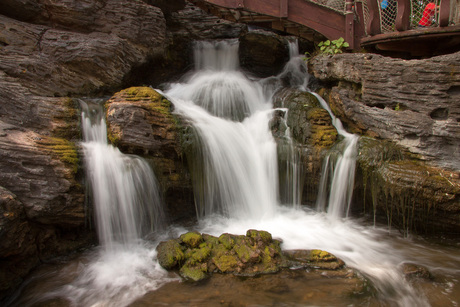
[[64, 150], [192, 239], [315, 258], [170, 254], [194, 272], [260, 235], [199, 255], [319, 255], [226, 263], [227, 240]]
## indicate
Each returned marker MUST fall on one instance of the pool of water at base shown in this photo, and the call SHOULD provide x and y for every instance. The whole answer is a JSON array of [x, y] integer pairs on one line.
[[63, 284]]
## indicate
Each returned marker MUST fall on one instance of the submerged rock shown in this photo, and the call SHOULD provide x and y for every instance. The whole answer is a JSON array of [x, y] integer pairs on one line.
[[197, 256]]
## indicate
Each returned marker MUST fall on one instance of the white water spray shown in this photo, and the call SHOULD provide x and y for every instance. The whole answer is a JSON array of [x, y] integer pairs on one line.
[[125, 191], [127, 207], [238, 162], [341, 172]]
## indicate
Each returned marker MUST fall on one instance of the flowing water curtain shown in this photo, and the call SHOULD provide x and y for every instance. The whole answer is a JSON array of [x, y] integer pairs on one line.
[[124, 189], [340, 167]]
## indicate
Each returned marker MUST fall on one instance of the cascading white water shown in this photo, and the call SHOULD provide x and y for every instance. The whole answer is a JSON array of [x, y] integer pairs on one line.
[[127, 206], [125, 191], [239, 174], [341, 172], [237, 189], [237, 155]]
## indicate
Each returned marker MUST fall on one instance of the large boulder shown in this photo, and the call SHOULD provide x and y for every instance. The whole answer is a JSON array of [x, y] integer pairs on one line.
[[311, 133], [76, 52], [413, 102], [263, 53], [140, 121], [409, 163]]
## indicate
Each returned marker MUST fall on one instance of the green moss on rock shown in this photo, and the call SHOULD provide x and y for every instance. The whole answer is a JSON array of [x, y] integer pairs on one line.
[[194, 272], [170, 254], [260, 235], [192, 239], [64, 150], [250, 255], [226, 240], [226, 263]]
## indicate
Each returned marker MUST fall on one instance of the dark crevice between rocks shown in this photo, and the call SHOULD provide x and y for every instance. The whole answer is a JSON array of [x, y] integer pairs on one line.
[[440, 114], [454, 90]]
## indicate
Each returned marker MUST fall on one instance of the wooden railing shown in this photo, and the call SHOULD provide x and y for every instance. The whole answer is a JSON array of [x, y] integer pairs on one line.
[[353, 20], [405, 15]]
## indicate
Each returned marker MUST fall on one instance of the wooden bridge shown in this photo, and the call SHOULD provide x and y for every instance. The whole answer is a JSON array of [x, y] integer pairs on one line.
[[392, 26]]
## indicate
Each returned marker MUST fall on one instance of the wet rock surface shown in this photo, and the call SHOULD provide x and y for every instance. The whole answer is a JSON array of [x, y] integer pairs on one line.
[[140, 121], [263, 53], [408, 166], [413, 102], [197, 256], [311, 128], [404, 191]]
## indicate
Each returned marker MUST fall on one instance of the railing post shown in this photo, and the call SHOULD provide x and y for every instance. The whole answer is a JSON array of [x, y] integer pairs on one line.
[[444, 13], [403, 18], [373, 25], [283, 8], [349, 24]]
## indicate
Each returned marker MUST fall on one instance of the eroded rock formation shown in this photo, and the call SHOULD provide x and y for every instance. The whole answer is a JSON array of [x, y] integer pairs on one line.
[[51, 53], [140, 122], [413, 102], [410, 110]]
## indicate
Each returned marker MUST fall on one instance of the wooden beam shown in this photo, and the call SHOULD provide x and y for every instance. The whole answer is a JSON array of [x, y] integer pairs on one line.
[[444, 13]]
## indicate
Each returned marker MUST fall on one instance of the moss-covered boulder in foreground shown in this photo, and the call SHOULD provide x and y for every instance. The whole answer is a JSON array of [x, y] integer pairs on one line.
[[196, 255]]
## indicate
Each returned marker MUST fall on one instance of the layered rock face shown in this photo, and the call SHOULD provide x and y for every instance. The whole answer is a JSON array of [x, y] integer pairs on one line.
[[140, 122], [51, 53], [409, 168], [415, 102]]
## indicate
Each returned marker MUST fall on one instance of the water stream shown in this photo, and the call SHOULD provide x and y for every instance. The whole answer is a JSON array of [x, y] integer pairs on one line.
[[236, 188]]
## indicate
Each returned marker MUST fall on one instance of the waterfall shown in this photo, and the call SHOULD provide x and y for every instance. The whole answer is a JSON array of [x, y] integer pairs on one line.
[[236, 170], [234, 161], [340, 172], [126, 200], [235, 165]]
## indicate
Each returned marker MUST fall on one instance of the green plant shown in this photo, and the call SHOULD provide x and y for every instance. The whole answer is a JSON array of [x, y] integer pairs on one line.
[[332, 47]]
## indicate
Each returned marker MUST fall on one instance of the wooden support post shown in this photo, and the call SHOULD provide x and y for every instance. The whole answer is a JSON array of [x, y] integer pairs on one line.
[[349, 24], [444, 13], [403, 17], [283, 8], [359, 25], [373, 25]]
